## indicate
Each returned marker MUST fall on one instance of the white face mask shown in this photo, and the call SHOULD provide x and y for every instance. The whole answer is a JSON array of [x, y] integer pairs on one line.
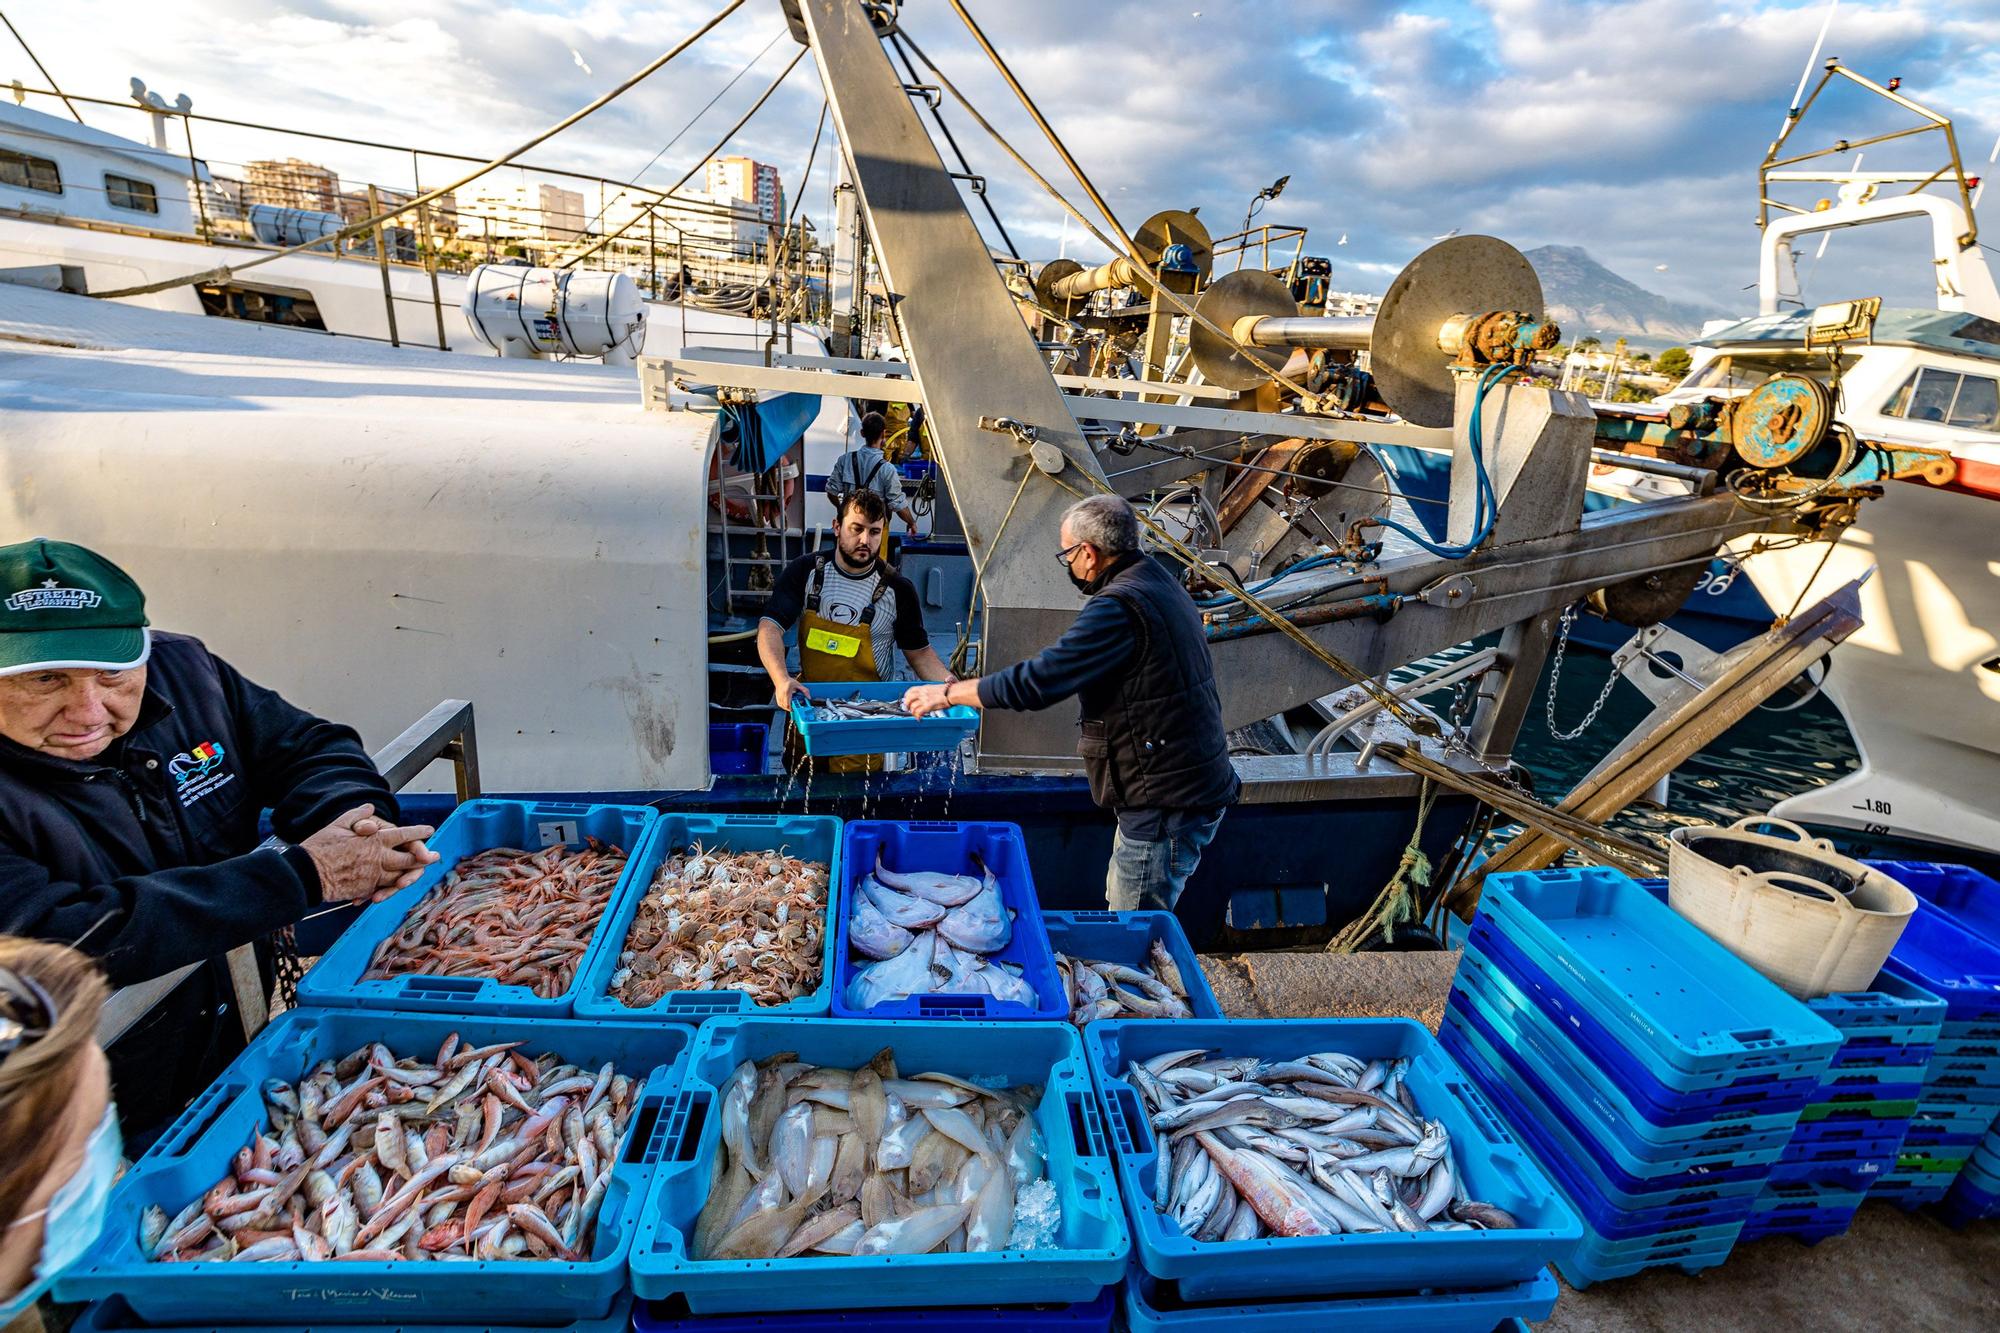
[[74, 1213]]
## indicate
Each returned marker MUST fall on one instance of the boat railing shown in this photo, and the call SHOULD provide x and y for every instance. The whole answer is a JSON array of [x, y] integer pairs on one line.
[[445, 733]]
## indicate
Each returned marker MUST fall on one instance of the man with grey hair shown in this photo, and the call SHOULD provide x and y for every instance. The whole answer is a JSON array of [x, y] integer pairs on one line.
[[1151, 733]]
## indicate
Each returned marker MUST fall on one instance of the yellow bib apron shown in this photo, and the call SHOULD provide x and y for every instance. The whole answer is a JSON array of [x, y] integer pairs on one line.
[[830, 652]]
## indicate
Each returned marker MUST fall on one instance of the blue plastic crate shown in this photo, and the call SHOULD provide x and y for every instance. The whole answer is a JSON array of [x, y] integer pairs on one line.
[[1615, 1177], [1894, 1003], [883, 735], [1987, 1048], [1521, 1026], [1686, 1100], [949, 848], [1859, 1173], [811, 837], [1966, 1202], [1610, 1213], [1971, 899], [1490, 1164], [1127, 937], [1153, 1304], [1093, 1245], [1091, 1316], [1952, 963], [196, 1151], [1692, 1003], [1819, 1139], [737, 747], [115, 1316], [1624, 1138], [1893, 1057], [1594, 1261], [475, 826]]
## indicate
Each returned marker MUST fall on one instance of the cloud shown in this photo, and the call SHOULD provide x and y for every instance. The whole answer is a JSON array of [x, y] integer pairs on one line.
[[1631, 129]]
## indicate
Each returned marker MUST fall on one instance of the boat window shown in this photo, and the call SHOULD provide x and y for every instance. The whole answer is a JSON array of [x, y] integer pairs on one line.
[[29, 173], [293, 307], [136, 195], [1971, 402]]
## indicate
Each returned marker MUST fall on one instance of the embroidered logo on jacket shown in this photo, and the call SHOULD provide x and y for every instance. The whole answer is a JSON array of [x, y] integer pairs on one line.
[[197, 772], [52, 596]]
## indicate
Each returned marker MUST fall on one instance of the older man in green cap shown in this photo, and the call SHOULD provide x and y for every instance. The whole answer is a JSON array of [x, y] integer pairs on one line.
[[134, 766]]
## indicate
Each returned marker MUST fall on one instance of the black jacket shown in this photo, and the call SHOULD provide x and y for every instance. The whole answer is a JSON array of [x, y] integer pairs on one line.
[[1151, 734], [146, 853]]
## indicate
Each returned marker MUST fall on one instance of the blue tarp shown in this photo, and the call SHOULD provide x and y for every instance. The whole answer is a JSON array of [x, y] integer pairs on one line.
[[764, 433]]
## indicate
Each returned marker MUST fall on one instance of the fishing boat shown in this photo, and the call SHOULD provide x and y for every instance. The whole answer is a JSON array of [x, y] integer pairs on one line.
[[374, 529], [1919, 684]]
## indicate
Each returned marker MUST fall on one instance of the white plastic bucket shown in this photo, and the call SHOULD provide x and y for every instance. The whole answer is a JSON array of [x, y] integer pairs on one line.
[[1813, 921]]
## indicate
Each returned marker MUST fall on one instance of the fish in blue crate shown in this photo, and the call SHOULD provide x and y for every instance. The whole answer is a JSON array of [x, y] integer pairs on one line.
[[475, 1153], [1098, 990], [711, 920], [823, 1161], [928, 932], [1320, 1145], [524, 918]]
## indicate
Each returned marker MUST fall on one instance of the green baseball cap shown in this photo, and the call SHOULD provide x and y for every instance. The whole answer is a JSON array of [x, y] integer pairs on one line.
[[63, 606]]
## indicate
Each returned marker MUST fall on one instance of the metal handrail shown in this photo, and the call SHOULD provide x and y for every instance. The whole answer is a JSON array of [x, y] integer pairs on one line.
[[445, 732]]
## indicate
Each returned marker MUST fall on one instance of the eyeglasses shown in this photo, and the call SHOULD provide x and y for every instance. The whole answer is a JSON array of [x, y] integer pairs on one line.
[[1063, 556], [30, 1012]]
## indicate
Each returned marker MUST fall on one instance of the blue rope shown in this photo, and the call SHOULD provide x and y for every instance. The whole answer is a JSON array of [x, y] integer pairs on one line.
[[1485, 504]]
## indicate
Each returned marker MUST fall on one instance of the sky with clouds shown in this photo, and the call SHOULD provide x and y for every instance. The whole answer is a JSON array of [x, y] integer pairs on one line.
[[1630, 129]]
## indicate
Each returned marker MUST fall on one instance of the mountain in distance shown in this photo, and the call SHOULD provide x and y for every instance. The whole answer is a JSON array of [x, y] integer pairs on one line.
[[1589, 300]]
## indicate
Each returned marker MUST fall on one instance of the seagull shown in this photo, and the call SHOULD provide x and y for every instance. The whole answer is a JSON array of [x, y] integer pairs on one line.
[[577, 56], [1659, 268], [1448, 235], [1342, 240]]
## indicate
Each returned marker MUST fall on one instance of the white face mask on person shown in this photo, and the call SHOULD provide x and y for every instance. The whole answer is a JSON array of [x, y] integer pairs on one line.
[[74, 1214]]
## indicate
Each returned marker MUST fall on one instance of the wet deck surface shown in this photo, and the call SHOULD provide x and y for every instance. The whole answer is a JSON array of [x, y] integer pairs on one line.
[[1891, 1271]]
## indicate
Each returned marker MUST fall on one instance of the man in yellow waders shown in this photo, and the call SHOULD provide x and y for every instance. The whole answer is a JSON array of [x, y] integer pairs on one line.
[[853, 613]]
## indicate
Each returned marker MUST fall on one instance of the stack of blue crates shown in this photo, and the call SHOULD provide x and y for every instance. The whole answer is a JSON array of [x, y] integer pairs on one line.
[[1657, 1077], [1850, 1132], [1849, 1135], [1952, 946]]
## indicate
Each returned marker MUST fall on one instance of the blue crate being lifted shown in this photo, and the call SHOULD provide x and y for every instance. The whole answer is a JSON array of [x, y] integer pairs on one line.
[[878, 735], [809, 837], [475, 826]]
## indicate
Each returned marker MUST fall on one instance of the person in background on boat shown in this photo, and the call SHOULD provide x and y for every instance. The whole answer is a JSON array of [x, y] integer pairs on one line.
[[60, 1149], [865, 467], [853, 613], [133, 768], [1152, 741]]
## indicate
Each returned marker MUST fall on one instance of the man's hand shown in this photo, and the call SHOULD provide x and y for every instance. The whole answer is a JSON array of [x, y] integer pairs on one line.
[[911, 524], [363, 858], [786, 688], [923, 700]]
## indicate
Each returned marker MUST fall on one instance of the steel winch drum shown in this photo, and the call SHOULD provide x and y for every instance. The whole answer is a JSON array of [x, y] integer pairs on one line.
[[1464, 275], [1811, 920]]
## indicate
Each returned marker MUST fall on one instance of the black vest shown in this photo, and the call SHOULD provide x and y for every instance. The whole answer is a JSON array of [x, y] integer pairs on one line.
[[1152, 734]]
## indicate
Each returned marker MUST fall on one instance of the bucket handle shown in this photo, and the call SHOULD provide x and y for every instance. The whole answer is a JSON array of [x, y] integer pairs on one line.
[[1755, 823], [1849, 917]]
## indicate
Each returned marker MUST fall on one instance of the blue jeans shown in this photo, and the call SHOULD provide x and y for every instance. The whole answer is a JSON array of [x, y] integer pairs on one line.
[[1149, 876]]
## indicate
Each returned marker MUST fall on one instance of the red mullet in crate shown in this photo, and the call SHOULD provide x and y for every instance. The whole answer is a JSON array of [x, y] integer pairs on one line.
[[482, 1153]]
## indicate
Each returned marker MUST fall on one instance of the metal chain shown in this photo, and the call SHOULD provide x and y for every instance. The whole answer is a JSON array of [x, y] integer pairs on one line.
[[1555, 679]]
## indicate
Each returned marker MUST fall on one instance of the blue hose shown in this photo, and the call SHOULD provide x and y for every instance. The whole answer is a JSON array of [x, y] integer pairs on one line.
[[1485, 504]]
